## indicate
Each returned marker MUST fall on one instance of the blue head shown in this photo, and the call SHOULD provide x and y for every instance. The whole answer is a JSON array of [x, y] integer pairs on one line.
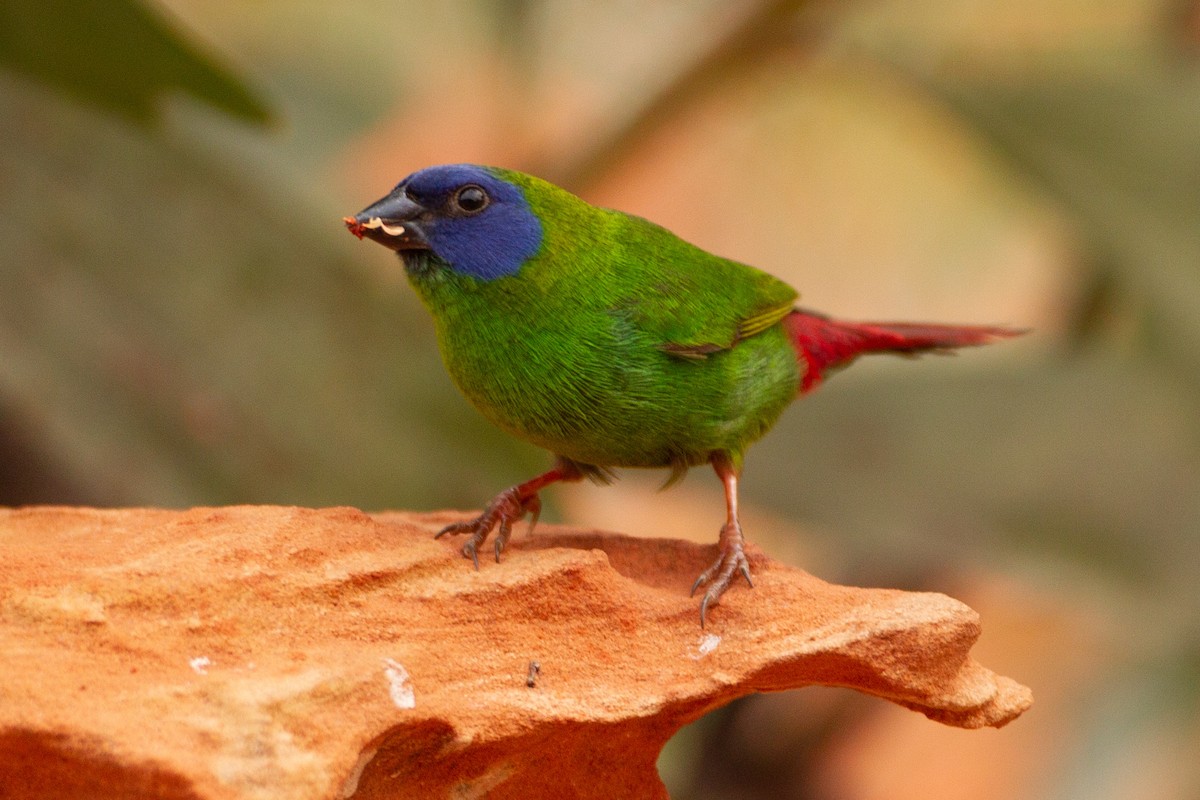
[[465, 215]]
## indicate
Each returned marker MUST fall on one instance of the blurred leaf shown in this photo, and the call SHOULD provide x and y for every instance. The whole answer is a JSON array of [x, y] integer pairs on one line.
[[765, 28], [1119, 150], [513, 23], [1092, 462], [175, 332], [118, 54]]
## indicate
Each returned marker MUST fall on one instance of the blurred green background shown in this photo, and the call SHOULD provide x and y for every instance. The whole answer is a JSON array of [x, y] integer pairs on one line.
[[184, 321]]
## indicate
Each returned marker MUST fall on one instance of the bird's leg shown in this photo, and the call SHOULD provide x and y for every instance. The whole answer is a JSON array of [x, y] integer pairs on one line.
[[732, 557], [507, 507]]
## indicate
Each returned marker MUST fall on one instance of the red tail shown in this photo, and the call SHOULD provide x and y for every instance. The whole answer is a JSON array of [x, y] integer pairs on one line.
[[823, 345]]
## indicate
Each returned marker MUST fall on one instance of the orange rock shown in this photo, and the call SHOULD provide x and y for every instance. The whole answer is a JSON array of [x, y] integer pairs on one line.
[[266, 652]]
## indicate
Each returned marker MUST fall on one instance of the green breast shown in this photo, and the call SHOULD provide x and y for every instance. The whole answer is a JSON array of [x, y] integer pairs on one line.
[[575, 373]]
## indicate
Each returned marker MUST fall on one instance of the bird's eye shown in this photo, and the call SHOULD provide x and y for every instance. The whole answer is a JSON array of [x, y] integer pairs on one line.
[[470, 199]]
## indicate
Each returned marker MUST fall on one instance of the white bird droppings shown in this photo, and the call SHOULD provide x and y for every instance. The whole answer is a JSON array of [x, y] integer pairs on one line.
[[708, 643], [399, 686], [200, 664]]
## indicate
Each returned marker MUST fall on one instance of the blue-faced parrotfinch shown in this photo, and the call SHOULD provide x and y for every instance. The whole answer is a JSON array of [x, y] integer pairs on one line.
[[608, 340]]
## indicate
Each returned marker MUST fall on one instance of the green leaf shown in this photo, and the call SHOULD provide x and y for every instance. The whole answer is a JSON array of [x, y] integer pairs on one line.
[[118, 54]]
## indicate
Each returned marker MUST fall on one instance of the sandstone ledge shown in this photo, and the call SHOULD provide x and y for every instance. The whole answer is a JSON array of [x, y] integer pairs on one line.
[[267, 652]]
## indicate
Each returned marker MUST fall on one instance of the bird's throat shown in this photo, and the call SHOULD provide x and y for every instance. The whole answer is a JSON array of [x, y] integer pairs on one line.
[[418, 263]]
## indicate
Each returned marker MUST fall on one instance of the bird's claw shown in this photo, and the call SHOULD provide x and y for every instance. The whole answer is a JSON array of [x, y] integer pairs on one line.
[[505, 509], [718, 576]]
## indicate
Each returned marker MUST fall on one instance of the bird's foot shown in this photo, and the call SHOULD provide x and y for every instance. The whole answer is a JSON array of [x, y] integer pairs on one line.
[[506, 508], [717, 577]]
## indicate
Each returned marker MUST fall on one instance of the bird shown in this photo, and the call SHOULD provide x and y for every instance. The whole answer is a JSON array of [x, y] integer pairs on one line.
[[611, 342]]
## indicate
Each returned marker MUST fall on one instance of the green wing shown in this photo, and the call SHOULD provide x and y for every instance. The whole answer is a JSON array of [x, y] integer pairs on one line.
[[691, 302]]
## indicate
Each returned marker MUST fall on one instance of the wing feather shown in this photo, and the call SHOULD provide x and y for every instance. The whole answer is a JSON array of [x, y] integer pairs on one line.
[[688, 301]]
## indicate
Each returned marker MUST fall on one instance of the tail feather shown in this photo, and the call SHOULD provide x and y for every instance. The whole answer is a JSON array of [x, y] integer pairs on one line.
[[824, 345]]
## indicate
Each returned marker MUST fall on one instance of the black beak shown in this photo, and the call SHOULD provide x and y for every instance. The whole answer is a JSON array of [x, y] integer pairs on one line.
[[393, 222]]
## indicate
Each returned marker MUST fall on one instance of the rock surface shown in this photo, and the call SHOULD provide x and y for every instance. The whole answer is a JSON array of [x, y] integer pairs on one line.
[[267, 652]]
